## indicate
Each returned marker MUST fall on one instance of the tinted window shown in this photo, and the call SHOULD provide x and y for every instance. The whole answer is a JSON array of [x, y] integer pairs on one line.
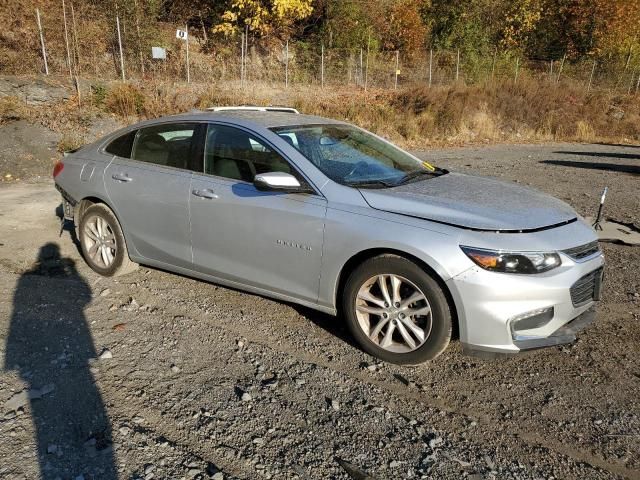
[[121, 146], [169, 145], [233, 153]]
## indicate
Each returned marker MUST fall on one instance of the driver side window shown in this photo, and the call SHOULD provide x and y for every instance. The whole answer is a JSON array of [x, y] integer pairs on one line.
[[233, 153]]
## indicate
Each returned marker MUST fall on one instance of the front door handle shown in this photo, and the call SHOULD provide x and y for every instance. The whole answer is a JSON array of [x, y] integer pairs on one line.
[[206, 193], [121, 177]]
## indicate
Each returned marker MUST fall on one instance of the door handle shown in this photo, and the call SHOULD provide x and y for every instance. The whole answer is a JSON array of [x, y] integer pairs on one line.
[[206, 193], [121, 177]]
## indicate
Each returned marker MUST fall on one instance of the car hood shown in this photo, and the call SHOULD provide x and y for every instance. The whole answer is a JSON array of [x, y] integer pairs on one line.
[[474, 202]]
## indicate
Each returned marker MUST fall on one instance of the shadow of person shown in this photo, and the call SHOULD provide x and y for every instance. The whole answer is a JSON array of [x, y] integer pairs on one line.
[[49, 344]]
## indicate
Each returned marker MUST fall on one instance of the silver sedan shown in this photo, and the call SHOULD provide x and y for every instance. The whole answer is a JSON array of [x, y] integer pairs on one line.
[[321, 213]]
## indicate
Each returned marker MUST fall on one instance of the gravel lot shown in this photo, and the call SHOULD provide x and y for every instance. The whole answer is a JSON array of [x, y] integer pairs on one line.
[[177, 378]]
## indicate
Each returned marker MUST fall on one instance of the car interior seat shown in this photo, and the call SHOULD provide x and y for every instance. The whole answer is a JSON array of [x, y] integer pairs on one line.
[[151, 148]]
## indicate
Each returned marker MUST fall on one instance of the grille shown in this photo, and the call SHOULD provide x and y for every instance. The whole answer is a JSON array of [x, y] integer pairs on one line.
[[583, 251], [587, 288]]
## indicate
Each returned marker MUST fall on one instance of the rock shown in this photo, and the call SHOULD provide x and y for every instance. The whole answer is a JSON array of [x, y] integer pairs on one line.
[[105, 292], [246, 397], [258, 441], [435, 442], [124, 431], [106, 354], [335, 404], [148, 469], [175, 369], [193, 472], [37, 91], [218, 476], [20, 399]]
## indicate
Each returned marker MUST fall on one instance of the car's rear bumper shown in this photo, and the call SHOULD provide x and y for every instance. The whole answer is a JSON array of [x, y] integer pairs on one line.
[[504, 313]]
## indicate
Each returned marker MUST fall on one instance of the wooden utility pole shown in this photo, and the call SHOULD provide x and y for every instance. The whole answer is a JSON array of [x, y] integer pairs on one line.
[[44, 50]]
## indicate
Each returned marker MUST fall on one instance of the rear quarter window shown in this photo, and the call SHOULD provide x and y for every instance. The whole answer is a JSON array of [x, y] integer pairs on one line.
[[121, 146]]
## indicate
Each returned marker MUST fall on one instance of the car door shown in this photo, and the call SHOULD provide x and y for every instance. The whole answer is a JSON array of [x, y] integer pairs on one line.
[[267, 240], [149, 190]]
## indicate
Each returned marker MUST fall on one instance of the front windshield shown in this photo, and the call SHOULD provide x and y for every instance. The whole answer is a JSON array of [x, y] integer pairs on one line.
[[351, 156]]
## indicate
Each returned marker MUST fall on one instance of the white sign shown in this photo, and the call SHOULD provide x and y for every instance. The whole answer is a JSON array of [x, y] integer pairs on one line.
[[158, 52], [181, 34]]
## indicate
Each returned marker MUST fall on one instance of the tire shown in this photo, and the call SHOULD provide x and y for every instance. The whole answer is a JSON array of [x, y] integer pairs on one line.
[[417, 304], [102, 242]]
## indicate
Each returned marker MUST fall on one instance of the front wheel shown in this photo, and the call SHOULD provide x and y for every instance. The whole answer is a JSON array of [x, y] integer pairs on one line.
[[396, 311], [103, 244]]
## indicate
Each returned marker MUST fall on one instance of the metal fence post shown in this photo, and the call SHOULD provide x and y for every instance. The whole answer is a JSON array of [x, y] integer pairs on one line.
[[593, 69], [458, 66], [430, 65], [561, 66], [397, 71], [242, 59], [120, 45], [186, 29], [286, 65], [322, 65], [66, 39], [366, 68], [44, 50], [493, 63]]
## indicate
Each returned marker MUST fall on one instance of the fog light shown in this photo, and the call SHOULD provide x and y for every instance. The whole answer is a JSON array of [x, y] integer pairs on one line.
[[533, 319]]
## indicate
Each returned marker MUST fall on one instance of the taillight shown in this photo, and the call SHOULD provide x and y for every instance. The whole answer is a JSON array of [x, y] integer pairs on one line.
[[57, 168]]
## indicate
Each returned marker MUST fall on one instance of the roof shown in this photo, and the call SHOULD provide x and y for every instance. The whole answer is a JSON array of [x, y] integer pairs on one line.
[[266, 119]]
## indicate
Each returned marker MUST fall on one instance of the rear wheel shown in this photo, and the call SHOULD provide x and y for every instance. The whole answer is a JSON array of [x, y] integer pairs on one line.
[[103, 245], [396, 311]]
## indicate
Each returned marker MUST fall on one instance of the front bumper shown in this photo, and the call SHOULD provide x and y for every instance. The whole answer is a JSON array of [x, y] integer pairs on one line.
[[489, 304]]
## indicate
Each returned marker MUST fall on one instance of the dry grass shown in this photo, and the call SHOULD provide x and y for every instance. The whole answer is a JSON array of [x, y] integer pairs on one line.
[[531, 111]]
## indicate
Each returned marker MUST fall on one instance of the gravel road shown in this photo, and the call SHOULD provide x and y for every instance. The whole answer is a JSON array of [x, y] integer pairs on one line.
[[177, 378]]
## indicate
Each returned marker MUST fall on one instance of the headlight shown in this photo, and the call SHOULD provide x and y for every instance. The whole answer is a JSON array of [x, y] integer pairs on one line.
[[512, 262]]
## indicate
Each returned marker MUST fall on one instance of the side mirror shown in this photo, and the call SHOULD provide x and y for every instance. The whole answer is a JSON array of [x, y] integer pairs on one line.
[[278, 181]]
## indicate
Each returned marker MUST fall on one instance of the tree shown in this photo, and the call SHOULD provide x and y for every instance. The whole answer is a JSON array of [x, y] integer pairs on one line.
[[264, 17]]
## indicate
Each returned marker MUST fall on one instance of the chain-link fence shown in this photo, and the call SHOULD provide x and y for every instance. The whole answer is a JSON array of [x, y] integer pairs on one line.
[[77, 47]]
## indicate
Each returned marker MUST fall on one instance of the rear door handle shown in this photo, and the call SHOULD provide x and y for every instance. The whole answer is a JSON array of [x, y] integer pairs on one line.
[[206, 193], [121, 177]]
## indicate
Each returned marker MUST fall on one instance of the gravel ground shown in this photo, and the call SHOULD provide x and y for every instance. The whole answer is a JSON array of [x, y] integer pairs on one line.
[[169, 377]]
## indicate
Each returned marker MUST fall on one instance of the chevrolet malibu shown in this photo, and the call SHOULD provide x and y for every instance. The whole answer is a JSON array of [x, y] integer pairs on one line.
[[321, 213]]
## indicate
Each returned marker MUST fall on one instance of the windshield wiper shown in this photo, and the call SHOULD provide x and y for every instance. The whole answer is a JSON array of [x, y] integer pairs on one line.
[[417, 173], [370, 184]]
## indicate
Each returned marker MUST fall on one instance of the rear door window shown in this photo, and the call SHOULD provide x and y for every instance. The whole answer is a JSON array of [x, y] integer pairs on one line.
[[121, 146], [169, 145]]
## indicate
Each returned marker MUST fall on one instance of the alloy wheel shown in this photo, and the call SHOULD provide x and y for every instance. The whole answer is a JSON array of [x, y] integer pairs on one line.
[[393, 313], [100, 241]]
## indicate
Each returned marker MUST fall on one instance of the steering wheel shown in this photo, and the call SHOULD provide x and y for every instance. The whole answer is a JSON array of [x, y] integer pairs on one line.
[[357, 167]]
